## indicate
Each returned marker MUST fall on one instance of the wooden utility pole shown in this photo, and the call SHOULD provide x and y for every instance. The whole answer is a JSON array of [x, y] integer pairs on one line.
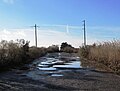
[[35, 34], [84, 34]]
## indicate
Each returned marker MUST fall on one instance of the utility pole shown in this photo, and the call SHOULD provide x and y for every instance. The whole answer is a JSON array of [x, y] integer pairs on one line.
[[67, 28], [35, 34], [84, 34]]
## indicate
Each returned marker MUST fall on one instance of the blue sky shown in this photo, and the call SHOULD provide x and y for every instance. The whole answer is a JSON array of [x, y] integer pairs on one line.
[[102, 20]]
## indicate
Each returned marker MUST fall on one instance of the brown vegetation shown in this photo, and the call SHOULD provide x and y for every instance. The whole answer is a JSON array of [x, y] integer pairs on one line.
[[68, 48], [53, 48], [107, 53], [16, 53], [37, 52], [12, 53]]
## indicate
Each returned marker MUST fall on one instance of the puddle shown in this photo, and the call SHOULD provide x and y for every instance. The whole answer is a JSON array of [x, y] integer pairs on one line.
[[46, 63], [55, 65], [42, 65], [56, 75], [48, 69], [74, 64]]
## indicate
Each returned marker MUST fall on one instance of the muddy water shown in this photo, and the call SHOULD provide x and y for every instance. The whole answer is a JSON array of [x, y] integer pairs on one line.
[[54, 64]]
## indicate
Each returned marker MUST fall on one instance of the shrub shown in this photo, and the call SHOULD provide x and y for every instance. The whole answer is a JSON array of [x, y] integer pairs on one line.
[[84, 51], [107, 53], [67, 48], [35, 52], [53, 48], [17, 53], [13, 53]]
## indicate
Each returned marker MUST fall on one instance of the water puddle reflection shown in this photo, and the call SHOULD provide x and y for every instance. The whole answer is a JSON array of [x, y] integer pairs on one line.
[[47, 69], [55, 65], [56, 75], [72, 65]]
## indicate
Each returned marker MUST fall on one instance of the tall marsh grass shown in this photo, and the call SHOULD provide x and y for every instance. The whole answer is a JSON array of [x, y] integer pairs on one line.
[[107, 53], [16, 53]]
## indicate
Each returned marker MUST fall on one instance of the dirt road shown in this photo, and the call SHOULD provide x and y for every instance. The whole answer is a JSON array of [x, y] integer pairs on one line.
[[58, 72]]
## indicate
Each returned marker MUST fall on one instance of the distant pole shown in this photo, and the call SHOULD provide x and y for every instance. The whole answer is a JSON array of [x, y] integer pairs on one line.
[[35, 34], [67, 28], [84, 34]]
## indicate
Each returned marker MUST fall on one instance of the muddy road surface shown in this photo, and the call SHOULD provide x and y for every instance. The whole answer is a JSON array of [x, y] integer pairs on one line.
[[58, 72]]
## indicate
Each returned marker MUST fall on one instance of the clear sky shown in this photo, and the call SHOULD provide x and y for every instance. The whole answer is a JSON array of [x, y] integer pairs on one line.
[[102, 20]]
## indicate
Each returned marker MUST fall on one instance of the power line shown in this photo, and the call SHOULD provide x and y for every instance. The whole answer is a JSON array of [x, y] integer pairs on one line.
[[55, 25]]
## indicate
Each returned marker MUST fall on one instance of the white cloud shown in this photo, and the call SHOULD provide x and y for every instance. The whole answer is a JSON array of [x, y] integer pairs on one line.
[[45, 37], [6, 32], [9, 1], [11, 35]]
